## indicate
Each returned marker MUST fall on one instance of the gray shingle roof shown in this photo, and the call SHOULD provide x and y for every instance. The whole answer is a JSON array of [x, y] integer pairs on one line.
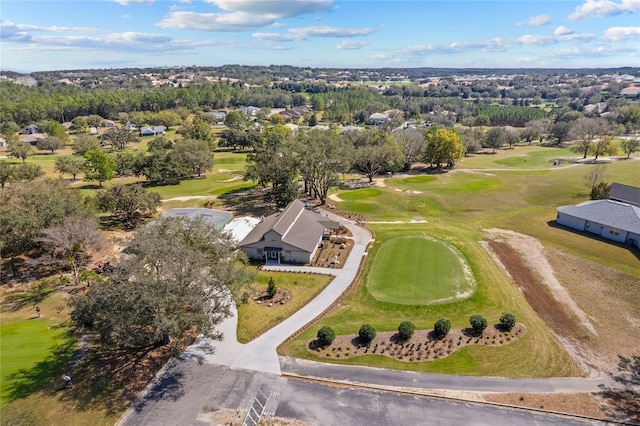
[[296, 225], [607, 212], [625, 193]]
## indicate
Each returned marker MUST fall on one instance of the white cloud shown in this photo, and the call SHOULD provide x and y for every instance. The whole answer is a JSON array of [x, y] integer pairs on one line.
[[536, 21], [621, 33], [243, 15], [351, 45], [562, 30], [239, 21], [128, 2], [283, 9], [604, 8], [303, 33], [24, 33]]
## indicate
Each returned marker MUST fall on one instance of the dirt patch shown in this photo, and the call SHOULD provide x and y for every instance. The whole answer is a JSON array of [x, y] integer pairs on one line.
[[262, 298], [576, 403], [537, 261], [557, 318], [424, 345]]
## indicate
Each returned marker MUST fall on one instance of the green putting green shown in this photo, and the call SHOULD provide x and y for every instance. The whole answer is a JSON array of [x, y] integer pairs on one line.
[[419, 270]]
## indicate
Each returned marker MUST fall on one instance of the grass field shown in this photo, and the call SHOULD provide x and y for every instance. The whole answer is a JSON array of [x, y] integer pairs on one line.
[[254, 319], [418, 270], [33, 350], [457, 207], [537, 354]]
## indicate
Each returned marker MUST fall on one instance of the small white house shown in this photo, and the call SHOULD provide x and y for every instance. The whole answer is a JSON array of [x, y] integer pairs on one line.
[[152, 130]]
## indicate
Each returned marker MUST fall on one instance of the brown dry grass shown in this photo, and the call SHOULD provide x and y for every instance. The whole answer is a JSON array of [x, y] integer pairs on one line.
[[576, 403]]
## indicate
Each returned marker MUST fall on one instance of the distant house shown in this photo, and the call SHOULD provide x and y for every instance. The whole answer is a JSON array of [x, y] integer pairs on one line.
[[218, 115], [217, 218], [31, 139], [378, 118], [249, 111], [108, 123], [625, 194], [152, 130], [292, 235], [630, 92], [31, 129], [3, 142], [607, 218]]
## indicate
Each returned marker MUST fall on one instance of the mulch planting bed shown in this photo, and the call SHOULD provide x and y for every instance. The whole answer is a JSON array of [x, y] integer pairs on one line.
[[424, 345], [282, 297]]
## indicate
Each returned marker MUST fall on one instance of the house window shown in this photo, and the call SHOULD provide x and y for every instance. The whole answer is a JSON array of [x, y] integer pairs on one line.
[[614, 231], [287, 253], [260, 252]]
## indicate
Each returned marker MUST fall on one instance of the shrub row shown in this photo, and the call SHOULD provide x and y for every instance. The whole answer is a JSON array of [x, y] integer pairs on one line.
[[441, 328]]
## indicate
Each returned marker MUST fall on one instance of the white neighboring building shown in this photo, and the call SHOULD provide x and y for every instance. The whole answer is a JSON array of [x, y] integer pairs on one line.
[[607, 218]]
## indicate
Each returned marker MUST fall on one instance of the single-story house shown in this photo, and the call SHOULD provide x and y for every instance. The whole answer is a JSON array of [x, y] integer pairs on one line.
[[218, 218], [152, 130], [108, 123], [3, 142], [607, 218], [31, 139], [291, 235], [630, 92], [625, 194]]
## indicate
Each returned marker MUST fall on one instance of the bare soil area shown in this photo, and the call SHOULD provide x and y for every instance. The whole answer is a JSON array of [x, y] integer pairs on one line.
[[424, 345], [576, 403]]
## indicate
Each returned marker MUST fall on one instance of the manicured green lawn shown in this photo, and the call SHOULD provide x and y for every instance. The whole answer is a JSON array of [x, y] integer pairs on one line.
[[254, 319], [536, 354], [418, 270], [31, 353]]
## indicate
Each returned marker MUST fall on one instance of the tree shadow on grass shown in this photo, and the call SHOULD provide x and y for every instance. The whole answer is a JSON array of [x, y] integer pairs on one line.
[[623, 403], [24, 382], [111, 379]]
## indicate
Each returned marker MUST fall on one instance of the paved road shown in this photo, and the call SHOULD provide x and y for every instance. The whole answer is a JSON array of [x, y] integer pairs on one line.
[[187, 390], [379, 376], [260, 354]]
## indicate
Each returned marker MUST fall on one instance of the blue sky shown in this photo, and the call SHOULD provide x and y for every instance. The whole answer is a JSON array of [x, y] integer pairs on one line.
[[54, 35]]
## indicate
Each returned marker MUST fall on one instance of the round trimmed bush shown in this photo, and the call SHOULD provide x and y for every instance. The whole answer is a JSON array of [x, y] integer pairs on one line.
[[442, 327], [366, 334], [478, 323], [326, 336], [507, 321], [406, 329]]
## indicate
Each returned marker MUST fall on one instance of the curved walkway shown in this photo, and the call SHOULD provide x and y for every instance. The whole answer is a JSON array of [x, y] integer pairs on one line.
[[260, 354]]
